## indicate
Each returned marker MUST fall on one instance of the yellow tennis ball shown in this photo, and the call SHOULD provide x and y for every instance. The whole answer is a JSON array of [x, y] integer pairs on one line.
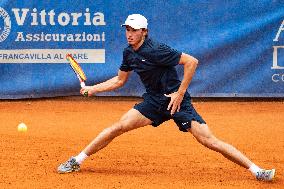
[[22, 127]]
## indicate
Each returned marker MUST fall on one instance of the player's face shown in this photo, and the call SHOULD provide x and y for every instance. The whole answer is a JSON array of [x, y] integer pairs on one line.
[[135, 37]]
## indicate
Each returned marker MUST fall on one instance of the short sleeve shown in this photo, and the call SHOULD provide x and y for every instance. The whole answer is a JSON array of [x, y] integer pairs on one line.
[[167, 56], [125, 65]]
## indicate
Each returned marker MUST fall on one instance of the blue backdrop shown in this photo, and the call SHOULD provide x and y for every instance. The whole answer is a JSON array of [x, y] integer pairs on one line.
[[239, 45]]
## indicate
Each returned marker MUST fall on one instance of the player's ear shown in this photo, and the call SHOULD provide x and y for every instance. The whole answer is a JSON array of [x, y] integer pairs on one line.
[[145, 32]]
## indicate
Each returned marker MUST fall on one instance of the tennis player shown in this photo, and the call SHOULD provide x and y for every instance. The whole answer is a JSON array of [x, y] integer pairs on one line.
[[166, 98]]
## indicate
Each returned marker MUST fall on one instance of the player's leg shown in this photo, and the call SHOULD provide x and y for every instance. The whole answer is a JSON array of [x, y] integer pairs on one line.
[[204, 136], [133, 119], [185, 121]]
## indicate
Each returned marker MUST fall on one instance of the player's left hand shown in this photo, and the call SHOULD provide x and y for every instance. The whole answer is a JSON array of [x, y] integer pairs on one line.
[[176, 99]]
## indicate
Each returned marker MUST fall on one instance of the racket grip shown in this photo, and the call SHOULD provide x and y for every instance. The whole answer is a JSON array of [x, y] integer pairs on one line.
[[82, 84], [86, 94]]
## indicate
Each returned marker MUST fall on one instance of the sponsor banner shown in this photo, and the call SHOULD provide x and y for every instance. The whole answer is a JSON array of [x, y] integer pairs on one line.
[[51, 55], [239, 45]]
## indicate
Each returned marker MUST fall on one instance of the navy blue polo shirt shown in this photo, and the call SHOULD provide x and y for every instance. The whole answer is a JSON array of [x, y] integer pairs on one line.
[[155, 63]]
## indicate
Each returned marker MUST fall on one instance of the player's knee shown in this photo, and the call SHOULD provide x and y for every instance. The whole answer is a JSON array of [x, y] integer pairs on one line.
[[113, 131], [213, 144], [120, 127], [210, 142]]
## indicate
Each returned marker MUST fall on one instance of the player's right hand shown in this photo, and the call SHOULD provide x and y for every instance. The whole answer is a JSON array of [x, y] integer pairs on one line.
[[87, 91]]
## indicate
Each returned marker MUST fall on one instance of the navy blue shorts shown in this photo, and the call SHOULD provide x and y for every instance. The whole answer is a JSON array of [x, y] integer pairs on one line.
[[154, 107]]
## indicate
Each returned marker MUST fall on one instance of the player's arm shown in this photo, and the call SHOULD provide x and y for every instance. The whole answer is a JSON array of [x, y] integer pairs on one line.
[[190, 64], [109, 85]]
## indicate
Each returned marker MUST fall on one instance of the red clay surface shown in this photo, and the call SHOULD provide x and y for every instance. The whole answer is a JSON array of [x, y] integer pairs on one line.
[[149, 157]]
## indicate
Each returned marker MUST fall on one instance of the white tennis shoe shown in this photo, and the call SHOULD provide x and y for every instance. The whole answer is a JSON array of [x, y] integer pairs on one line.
[[265, 175], [69, 166]]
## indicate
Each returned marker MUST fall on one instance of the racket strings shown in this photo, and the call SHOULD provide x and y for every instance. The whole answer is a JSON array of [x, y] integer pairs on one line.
[[76, 67]]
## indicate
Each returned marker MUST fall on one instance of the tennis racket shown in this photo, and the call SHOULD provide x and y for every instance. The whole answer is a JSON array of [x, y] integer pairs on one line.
[[77, 69]]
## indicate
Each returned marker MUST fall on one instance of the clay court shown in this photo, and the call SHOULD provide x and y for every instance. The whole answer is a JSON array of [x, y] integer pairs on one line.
[[149, 157]]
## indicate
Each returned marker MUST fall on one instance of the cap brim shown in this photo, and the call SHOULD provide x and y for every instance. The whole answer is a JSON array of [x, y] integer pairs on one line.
[[136, 28]]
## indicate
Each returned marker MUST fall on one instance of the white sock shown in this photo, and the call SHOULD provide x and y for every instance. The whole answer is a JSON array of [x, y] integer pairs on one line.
[[254, 169], [81, 157]]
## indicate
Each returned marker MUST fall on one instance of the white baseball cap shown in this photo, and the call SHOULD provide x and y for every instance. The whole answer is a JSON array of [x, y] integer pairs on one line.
[[136, 21]]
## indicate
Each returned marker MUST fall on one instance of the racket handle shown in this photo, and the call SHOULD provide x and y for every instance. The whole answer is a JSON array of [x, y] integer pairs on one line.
[[82, 84], [86, 94]]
